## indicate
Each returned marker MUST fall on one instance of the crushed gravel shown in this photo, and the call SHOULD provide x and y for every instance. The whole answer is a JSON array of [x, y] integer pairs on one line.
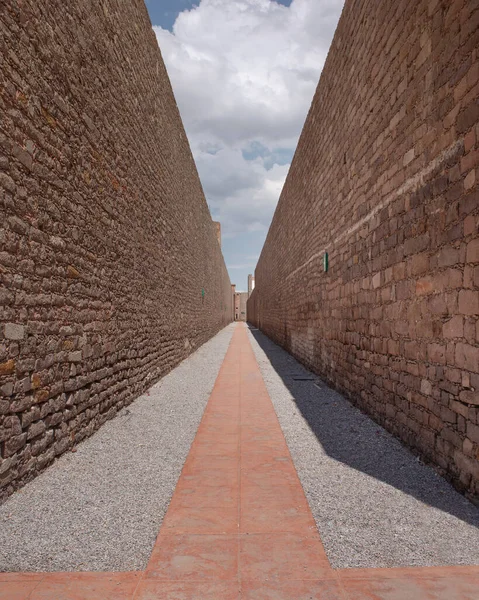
[[375, 504], [100, 509]]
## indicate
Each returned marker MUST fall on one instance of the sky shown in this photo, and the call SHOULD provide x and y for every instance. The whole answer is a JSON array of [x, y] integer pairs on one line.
[[243, 73]]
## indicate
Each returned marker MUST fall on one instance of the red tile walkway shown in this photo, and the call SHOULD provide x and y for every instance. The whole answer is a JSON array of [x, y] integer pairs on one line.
[[239, 525]]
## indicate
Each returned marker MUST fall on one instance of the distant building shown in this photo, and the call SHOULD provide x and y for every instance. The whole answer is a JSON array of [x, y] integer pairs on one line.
[[233, 292], [240, 299]]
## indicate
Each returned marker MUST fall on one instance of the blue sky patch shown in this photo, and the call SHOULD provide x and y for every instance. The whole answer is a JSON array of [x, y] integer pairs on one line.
[[164, 12], [276, 156]]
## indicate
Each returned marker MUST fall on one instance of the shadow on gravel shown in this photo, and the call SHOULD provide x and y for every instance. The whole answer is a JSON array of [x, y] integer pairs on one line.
[[350, 436]]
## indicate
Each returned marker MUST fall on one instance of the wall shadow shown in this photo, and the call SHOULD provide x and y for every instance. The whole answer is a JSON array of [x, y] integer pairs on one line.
[[350, 436]]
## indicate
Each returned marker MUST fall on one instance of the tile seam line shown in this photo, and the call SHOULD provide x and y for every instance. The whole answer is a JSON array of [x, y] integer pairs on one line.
[[391, 572], [342, 589], [234, 579], [333, 575], [36, 586], [233, 534], [140, 580]]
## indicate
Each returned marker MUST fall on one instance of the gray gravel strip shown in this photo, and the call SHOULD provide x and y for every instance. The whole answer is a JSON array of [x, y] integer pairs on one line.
[[375, 504], [100, 509]]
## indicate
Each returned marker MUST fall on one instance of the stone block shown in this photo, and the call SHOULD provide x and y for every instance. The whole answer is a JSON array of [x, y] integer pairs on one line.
[[14, 331]]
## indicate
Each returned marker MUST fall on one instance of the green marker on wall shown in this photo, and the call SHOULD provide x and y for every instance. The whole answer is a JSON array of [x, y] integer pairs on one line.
[[325, 262]]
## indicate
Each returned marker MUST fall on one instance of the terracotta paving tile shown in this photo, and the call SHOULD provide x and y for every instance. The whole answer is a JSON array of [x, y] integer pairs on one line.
[[469, 573], [265, 475], [201, 477], [269, 494], [207, 442], [206, 496], [258, 416], [87, 586], [23, 577], [408, 588], [221, 416], [282, 556], [217, 428], [195, 463], [151, 589], [17, 590], [259, 421], [264, 461], [223, 402], [18, 586], [267, 449], [327, 589], [259, 441], [259, 429], [202, 520], [194, 557], [213, 448], [276, 518]]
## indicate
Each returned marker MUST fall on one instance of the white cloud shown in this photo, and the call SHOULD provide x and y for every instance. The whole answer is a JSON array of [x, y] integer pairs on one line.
[[242, 194], [244, 73]]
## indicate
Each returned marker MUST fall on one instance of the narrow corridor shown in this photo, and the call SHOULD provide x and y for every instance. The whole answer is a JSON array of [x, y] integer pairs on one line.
[[239, 524]]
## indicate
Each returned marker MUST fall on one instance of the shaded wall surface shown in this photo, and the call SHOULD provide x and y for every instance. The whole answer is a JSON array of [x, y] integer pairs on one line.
[[110, 268], [385, 180]]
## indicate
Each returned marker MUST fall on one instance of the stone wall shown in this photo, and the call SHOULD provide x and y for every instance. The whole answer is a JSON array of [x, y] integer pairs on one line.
[[110, 268], [385, 180]]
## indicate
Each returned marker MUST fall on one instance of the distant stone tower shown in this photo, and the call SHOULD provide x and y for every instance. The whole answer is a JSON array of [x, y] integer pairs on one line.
[[218, 231], [250, 284]]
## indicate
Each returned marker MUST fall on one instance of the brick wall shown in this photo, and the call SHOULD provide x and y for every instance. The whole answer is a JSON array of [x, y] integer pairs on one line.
[[106, 242], [385, 180]]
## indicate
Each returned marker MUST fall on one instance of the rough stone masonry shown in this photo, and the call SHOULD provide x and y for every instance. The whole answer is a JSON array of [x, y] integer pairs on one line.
[[110, 268], [385, 181]]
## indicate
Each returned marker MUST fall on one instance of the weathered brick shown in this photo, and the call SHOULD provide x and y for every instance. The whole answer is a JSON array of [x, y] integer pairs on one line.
[[467, 357], [436, 353], [469, 302], [14, 331], [454, 328], [424, 286], [468, 117], [7, 368], [470, 397], [472, 254], [470, 180], [448, 256], [35, 430], [426, 387], [14, 444], [473, 432], [419, 263], [467, 464]]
